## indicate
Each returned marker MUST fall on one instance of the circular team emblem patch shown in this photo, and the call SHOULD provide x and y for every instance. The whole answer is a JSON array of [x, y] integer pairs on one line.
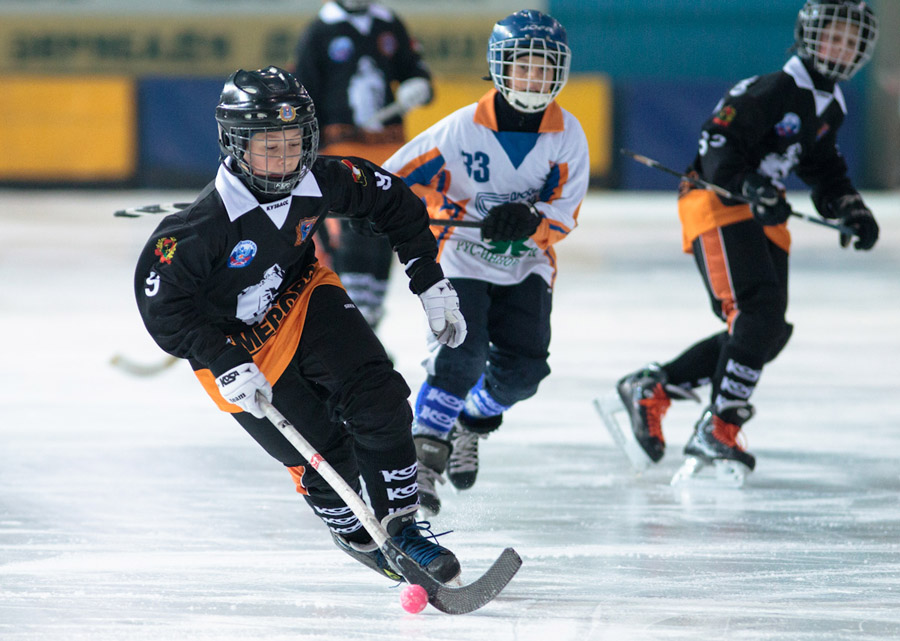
[[286, 113], [340, 49], [242, 254], [387, 44], [789, 125]]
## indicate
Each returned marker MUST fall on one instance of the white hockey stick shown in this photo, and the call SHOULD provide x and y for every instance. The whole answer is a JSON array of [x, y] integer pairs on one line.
[[142, 369], [452, 600], [377, 119]]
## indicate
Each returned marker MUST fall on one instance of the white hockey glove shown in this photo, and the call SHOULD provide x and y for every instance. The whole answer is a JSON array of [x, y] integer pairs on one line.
[[240, 384], [442, 309], [413, 93]]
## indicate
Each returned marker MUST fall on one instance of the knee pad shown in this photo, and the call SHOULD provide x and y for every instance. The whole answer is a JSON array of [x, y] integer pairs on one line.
[[376, 410], [761, 332], [779, 344]]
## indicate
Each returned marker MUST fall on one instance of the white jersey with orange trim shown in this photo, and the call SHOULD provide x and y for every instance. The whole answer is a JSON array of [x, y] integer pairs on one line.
[[462, 166]]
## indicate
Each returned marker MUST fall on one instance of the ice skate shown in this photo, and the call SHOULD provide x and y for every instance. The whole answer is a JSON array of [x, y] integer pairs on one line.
[[407, 534], [368, 554], [432, 454], [644, 397], [713, 455], [462, 466]]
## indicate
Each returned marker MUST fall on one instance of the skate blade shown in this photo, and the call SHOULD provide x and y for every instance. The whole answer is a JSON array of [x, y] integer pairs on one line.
[[608, 408], [718, 473]]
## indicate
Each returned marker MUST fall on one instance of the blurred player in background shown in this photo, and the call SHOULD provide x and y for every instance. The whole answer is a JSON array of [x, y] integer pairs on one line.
[[764, 129], [349, 59], [518, 162], [233, 285]]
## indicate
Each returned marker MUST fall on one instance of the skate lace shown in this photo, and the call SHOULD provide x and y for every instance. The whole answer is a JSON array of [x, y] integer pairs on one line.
[[656, 407], [464, 457], [420, 549], [726, 433]]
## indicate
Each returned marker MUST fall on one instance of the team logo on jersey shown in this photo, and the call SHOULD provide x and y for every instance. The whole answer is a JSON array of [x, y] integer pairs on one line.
[[286, 113], [387, 44], [358, 176], [242, 254], [303, 230], [165, 249], [824, 129], [789, 125], [340, 49], [724, 116]]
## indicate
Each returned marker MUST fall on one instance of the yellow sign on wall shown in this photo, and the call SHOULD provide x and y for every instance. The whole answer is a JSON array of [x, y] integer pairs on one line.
[[61, 128]]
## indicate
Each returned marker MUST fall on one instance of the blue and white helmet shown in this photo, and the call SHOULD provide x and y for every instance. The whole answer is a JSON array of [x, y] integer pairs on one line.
[[537, 41]]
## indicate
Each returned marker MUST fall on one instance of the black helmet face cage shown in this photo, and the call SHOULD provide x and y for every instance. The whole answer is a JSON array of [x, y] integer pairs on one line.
[[274, 159], [355, 5], [839, 37], [544, 62]]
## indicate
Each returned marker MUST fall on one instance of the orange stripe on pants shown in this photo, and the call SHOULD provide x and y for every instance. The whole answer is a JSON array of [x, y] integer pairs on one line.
[[718, 274], [297, 474]]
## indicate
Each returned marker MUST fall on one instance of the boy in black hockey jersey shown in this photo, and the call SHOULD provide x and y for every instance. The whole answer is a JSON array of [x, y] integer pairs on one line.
[[355, 58], [232, 284], [766, 127]]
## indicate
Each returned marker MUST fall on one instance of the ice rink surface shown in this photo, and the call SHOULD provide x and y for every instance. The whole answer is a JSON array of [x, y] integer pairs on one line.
[[132, 510]]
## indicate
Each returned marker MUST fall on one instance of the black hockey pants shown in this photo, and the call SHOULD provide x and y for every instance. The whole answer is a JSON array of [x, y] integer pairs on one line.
[[343, 395]]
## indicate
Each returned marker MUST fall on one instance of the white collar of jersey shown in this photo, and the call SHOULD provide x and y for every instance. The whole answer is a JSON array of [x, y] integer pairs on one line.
[[238, 199], [332, 13], [795, 69]]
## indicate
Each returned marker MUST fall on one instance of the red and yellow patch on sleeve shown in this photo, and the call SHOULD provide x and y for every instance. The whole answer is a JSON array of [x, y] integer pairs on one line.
[[165, 249]]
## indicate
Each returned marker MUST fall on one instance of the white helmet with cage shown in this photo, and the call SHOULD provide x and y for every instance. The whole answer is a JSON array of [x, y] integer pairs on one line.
[[536, 43], [837, 36]]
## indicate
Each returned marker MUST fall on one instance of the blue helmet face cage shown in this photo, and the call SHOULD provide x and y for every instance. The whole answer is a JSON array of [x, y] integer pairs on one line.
[[529, 58], [825, 27], [268, 104]]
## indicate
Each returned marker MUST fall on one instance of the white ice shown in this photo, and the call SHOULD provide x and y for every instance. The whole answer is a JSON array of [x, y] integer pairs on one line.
[[132, 510]]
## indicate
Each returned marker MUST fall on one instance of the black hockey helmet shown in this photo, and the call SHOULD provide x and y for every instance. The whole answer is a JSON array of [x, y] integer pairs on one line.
[[263, 101], [858, 25], [354, 6]]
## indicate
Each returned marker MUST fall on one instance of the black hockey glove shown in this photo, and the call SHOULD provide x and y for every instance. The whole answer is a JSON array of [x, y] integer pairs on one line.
[[766, 202], [852, 212], [510, 221]]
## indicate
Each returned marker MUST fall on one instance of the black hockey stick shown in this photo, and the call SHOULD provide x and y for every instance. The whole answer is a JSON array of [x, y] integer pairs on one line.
[[172, 208], [452, 600], [724, 193]]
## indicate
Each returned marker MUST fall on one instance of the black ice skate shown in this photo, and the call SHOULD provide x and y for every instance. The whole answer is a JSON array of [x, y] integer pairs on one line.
[[462, 466], [645, 396], [406, 534], [368, 554], [713, 447], [432, 454]]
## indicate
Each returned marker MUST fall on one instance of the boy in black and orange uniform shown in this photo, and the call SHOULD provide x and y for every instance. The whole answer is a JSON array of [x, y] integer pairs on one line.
[[766, 127], [356, 58], [233, 285]]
